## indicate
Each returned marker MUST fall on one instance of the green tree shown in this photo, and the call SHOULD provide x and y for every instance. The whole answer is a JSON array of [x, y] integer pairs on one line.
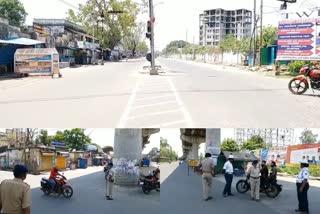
[[115, 27], [255, 142], [14, 11], [229, 145], [166, 151], [107, 149], [43, 138], [269, 36], [227, 44], [135, 40], [74, 138], [307, 137]]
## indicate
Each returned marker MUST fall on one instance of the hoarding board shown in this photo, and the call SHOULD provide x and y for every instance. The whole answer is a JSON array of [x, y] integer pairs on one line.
[[299, 39], [277, 154], [309, 152], [41, 30]]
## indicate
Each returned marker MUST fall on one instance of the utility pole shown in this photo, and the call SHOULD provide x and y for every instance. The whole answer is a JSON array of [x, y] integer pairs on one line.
[[153, 70], [254, 32], [261, 32]]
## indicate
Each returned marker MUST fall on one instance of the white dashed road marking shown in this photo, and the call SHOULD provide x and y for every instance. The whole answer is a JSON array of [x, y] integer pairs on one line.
[[155, 102]]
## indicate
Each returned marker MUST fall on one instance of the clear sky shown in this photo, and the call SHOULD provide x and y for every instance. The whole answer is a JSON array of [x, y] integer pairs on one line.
[[173, 137], [175, 19]]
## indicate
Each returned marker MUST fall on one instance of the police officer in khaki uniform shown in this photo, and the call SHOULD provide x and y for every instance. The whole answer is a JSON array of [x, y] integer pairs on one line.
[[254, 178], [109, 182], [207, 171], [15, 194]]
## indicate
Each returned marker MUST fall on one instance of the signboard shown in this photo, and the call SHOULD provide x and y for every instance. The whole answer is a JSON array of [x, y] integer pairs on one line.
[[41, 30], [58, 144], [277, 154], [309, 152], [193, 163], [299, 39]]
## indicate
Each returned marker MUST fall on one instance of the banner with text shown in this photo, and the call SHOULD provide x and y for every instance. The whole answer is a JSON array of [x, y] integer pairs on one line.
[[299, 39]]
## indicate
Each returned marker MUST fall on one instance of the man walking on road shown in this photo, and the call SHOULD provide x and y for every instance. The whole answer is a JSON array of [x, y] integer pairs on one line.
[[15, 195], [228, 175], [254, 178], [207, 171], [109, 181]]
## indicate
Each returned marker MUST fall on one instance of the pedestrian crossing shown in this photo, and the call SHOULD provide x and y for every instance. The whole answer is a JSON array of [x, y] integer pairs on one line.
[[154, 102]]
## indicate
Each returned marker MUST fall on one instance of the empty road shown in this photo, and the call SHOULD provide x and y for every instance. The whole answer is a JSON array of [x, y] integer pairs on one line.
[[185, 94]]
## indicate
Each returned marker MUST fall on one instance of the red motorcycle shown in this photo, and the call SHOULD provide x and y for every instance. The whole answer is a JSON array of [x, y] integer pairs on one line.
[[309, 77], [61, 187], [151, 182]]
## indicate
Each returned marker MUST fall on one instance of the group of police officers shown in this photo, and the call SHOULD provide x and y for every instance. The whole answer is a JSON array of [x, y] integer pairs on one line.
[[258, 176]]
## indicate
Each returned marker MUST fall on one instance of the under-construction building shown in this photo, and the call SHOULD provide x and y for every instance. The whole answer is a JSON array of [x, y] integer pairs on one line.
[[215, 24], [273, 137]]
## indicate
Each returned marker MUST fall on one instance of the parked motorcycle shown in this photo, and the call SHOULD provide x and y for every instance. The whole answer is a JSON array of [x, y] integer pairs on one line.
[[61, 187], [309, 78], [271, 188], [150, 182]]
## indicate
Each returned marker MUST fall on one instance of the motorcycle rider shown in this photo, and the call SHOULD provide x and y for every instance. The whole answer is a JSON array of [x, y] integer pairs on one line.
[[254, 178], [273, 172], [264, 174], [53, 177]]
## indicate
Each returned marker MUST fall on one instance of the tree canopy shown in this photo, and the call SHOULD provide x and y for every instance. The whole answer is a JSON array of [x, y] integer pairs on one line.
[[255, 142], [114, 27], [229, 145], [107, 149], [307, 137], [74, 138], [14, 11], [166, 151]]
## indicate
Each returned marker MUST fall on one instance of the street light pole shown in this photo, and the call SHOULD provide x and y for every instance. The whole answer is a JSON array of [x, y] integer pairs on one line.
[[151, 14], [254, 32], [261, 32]]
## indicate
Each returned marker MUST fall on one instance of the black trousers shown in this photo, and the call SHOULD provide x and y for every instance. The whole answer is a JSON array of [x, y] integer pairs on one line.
[[227, 187], [303, 197]]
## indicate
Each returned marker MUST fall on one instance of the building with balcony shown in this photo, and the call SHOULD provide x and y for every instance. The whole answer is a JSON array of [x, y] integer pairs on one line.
[[215, 24]]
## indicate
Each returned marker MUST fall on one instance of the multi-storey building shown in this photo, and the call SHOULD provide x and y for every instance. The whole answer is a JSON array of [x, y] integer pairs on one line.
[[273, 137], [215, 24]]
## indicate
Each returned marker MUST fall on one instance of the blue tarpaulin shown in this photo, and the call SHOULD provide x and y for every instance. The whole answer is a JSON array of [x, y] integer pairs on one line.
[[21, 41]]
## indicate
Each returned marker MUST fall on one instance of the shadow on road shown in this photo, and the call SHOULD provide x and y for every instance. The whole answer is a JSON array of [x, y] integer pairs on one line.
[[183, 194], [89, 197]]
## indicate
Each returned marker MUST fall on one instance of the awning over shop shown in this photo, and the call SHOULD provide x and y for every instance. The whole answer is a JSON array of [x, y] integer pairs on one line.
[[47, 154], [63, 154], [21, 41]]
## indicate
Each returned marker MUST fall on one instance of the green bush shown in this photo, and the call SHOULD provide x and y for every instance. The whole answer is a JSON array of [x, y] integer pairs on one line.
[[294, 67], [294, 170]]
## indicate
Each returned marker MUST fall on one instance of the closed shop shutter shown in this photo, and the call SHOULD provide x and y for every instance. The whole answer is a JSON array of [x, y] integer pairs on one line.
[[61, 162], [46, 163]]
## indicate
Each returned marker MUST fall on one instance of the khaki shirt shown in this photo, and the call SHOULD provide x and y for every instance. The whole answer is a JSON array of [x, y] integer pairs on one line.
[[254, 172], [15, 195], [207, 165]]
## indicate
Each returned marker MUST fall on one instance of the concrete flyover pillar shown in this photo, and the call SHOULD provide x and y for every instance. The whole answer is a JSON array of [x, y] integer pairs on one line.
[[127, 154], [195, 151]]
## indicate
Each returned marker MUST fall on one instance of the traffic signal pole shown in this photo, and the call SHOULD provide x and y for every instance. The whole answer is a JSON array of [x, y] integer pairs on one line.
[[153, 70]]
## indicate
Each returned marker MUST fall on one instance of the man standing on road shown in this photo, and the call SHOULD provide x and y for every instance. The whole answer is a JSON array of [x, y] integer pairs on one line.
[[264, 173], [254, 176], [109, 181], [303, 187], [15, 195], [228, 175], [207, 171]]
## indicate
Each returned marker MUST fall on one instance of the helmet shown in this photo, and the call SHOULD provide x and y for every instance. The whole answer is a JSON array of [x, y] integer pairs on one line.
[[304, 161], [231, 157]]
